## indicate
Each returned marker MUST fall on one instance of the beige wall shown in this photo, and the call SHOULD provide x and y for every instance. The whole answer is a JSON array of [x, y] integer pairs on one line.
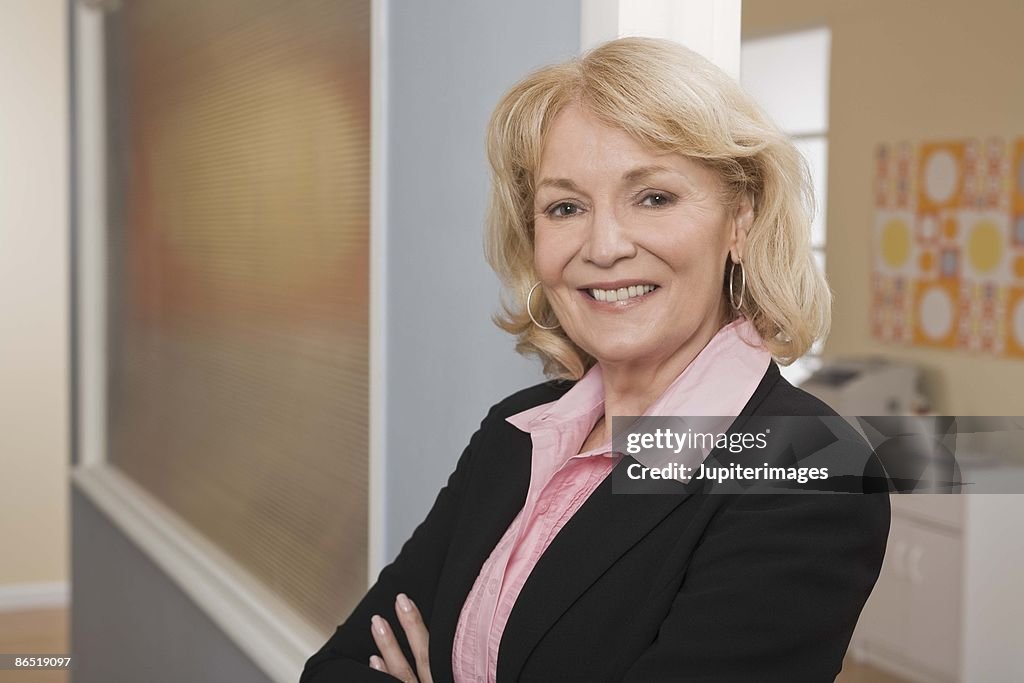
[[914, 70], [33, 292]]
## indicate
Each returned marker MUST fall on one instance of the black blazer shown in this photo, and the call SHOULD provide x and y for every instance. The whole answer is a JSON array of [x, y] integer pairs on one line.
[[688, 588]]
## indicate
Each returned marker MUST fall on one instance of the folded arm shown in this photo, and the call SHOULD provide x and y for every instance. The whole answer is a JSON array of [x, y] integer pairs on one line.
[[415, 572]]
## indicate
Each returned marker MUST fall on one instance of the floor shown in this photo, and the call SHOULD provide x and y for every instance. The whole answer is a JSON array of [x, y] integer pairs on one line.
[[46, 632], [34, 632]]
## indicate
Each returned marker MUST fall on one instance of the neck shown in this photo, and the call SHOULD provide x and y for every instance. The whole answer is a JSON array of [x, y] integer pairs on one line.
[[631, 387]]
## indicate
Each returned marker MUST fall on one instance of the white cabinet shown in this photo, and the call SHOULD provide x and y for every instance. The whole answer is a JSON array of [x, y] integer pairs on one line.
[[942, 510], [934, 575], [911, 624], [949, 604]]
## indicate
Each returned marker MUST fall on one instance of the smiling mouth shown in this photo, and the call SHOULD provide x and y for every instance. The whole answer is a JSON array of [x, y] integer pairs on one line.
[[620, 294]]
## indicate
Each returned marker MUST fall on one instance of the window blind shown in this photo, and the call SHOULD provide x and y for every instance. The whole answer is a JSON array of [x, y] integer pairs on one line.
[[238, 152]]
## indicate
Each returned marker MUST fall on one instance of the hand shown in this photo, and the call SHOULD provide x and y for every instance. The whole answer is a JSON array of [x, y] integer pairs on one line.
[[394, 661]]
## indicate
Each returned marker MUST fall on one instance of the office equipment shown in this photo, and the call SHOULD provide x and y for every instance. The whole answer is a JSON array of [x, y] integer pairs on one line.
[[868, 386]]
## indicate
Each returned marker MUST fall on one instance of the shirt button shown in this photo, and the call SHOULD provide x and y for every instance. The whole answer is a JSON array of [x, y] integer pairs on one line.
[[492, 586], [543, 508]]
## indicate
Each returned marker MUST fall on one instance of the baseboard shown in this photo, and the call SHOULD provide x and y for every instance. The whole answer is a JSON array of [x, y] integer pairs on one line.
[[16, 597], [276, 638]]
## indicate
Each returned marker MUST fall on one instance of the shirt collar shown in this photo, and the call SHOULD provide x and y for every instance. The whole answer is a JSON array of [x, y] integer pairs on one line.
[[718, 381]]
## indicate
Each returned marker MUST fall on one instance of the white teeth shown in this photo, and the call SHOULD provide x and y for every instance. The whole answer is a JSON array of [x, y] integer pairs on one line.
[[622, 293]]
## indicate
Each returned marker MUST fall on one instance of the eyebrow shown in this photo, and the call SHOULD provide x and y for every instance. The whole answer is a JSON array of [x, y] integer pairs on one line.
[[643, 172], [561, 183], [632, 176]]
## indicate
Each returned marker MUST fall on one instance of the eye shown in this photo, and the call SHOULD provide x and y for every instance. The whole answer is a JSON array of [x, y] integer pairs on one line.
[[656, 199], [563, 210]]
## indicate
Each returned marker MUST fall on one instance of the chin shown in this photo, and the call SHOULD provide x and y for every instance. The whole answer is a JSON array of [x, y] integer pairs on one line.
[[624, 350]]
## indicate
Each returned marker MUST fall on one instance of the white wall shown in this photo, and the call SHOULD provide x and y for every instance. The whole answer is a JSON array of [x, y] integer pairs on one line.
[[33, 294]]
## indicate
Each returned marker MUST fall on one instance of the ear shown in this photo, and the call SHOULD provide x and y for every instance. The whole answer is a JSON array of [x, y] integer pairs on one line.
[[742, 219]]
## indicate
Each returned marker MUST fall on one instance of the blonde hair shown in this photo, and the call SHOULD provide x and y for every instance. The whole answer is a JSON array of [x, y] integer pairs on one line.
[[674, 100]]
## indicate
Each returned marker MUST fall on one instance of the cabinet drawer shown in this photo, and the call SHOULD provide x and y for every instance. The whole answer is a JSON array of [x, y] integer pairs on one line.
[[934, 569], [937, 508], [911, 623]]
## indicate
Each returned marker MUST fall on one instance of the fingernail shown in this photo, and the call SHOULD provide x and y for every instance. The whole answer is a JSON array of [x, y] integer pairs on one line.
[[378, 625], [375, 663], [403, 603]]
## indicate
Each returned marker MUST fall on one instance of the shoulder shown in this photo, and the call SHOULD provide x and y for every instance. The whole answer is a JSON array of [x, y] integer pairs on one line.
[[811, 432], [497, 437], [853, 503], [777, 396]]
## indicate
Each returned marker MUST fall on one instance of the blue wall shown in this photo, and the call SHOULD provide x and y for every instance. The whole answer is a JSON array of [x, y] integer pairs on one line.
[[448, 364]]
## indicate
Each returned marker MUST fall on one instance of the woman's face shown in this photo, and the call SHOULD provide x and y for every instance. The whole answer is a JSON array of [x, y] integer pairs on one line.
[[631, 243]]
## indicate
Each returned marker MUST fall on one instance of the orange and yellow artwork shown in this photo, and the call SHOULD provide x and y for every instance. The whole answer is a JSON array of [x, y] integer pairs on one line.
[[948, 240]]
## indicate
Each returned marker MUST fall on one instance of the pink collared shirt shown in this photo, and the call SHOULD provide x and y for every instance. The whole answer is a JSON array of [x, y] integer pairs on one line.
[[719, 381]]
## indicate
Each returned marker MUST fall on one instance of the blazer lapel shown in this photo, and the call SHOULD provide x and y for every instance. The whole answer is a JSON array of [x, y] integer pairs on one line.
[[496, 497], [619, 521], [605, 527]]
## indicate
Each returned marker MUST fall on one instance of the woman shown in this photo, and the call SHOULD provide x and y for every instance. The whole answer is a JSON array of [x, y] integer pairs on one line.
[[655, 228]]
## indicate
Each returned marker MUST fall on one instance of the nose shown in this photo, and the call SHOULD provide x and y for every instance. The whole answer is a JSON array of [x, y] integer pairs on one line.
[[607, 240]]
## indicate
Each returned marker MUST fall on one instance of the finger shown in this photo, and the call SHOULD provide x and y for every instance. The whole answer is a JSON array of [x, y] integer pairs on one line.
[[416, 631], [378, 664], [394, 658]]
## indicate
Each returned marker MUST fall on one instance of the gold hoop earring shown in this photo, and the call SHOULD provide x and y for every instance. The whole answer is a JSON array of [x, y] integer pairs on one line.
[[529, 311], [743, 285]]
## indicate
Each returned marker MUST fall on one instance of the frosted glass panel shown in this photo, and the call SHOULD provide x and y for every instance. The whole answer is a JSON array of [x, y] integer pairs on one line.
[[238, 142], [815, 150], [788, 75]]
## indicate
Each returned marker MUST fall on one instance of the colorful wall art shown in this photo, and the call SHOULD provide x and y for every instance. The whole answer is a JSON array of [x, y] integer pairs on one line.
[[949, 245]]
